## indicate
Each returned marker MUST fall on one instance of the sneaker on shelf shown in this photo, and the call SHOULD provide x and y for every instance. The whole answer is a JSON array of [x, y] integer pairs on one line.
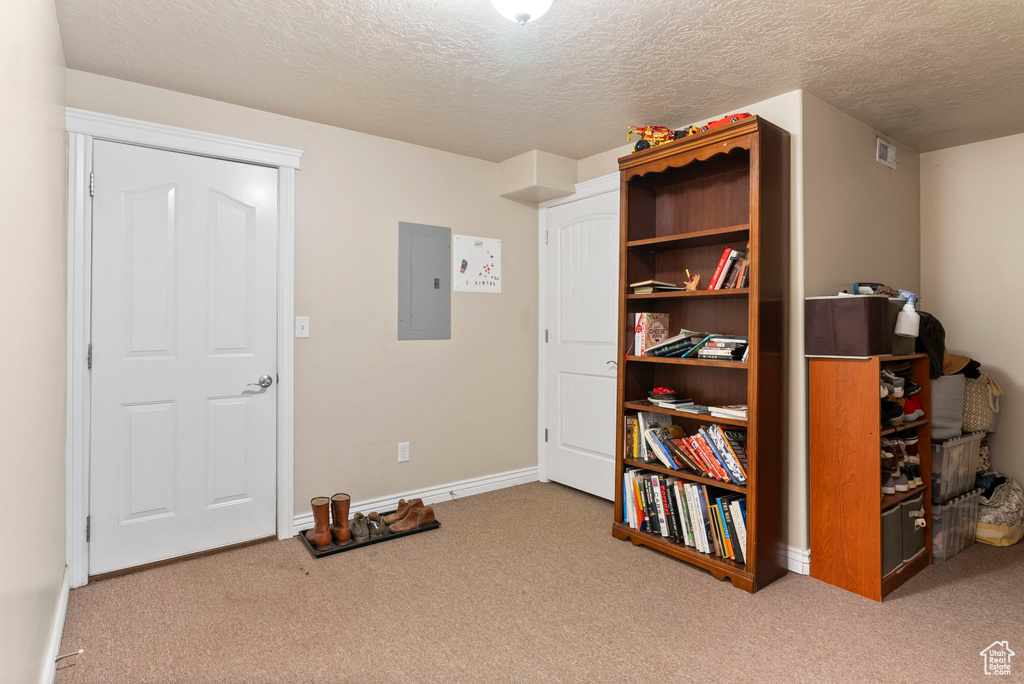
[[895, 381], [914, 474], [884, 390], [892, 413], [890, 461], [901, 482], [910, 388], [912, 409], [888, 484]]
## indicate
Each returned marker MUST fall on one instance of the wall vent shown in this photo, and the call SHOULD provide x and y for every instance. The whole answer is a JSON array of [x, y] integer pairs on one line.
[[885, 153]]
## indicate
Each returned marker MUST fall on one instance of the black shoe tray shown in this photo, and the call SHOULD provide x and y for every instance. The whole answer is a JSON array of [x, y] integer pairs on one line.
[[387, 536]]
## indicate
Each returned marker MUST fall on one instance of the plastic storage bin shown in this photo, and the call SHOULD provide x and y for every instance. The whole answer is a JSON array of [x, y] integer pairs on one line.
[[954, 463], [954, 524]]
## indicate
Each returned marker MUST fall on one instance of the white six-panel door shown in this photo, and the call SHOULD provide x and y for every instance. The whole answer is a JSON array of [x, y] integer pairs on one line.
[[580, 353], [184, 292]]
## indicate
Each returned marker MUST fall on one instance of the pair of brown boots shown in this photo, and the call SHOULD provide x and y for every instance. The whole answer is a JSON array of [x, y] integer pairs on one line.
[[409, 516], [323, 532]]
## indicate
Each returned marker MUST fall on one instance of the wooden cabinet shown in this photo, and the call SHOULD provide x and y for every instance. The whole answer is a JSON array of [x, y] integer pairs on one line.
[[682, 203], [846, 499]]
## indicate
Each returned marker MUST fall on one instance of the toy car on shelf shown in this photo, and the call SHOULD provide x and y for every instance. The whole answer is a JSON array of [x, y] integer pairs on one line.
[[724, 120], [652, 136]]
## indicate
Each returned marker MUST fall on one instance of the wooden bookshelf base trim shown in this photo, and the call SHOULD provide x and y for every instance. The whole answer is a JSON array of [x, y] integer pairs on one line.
[[720, 568], [683, 475], [897, 577]]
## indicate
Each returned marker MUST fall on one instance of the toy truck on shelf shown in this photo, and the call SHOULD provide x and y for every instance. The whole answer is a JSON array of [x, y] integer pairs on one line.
[[652, 136]]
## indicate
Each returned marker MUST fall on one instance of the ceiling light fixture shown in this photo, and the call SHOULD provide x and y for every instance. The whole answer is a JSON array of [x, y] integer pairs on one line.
[[522, 11]]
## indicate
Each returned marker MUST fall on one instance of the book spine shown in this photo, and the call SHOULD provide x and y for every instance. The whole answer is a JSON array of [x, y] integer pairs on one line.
[[721, 446], [726, 505], [670, 511], [705, 514], [741, 526], [638, 504], [649, 510], [659, 450], [730, 264], [731, 452], [659, 505], [726, 538], [698, 525], [684, 513], [718, 269]]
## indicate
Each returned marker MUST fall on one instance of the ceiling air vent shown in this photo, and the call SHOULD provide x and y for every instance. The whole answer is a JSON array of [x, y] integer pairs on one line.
[[885, 153]]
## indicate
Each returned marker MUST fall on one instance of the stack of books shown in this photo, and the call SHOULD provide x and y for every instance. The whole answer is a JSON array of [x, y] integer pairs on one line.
[[733, 270], [652, 286], [711, 452], [695, 515], [685, 344], [725, 348], [673, 404], [737, 411]]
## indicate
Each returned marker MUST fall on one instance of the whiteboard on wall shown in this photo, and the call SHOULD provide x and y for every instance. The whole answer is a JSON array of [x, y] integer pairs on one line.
[[476, 264]]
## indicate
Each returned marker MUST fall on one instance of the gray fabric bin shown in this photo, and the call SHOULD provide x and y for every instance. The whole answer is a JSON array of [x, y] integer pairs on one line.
[[892, 539], [911, 511]]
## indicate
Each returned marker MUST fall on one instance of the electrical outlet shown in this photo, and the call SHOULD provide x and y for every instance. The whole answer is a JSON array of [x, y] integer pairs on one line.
[[302, 326], [403, 452]]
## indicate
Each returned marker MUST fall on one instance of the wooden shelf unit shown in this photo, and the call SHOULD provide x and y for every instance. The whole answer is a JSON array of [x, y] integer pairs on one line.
[[846, 497], [682, 203]]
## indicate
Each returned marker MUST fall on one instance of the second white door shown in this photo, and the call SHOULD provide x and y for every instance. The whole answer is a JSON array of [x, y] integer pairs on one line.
[[184, 327], [580, 353]]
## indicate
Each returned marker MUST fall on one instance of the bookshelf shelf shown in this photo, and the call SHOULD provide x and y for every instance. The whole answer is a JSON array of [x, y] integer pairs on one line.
[[699, 238], [684, 475], [643, 405], [682, 205], [684, 294], [904, 426], [710, 363], [890, 499]]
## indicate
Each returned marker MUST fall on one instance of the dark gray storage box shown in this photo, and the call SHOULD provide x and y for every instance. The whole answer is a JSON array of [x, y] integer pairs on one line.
[[912, 510], [892, 539], [847, 326]]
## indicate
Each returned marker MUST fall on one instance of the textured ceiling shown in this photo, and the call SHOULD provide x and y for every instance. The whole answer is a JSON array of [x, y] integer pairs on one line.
[[455, 75]]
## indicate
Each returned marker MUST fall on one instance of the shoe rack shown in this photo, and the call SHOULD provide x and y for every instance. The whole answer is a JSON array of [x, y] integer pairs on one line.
[[846, 499], [682, 203]]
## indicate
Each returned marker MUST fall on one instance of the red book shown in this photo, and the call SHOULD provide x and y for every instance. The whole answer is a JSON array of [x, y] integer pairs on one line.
[[718, 270]]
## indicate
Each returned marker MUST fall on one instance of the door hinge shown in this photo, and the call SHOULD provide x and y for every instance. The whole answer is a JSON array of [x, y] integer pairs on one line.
[[88, 357], [545, 336], [88, 527], [92, 184], [545, 434], [545, 237]]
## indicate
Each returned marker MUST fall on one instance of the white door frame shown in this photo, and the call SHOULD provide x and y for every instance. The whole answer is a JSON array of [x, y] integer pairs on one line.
[[83, 128], [584, 190]]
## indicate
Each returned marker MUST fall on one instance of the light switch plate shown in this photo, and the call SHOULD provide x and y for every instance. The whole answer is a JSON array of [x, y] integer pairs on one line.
[[302, 326]]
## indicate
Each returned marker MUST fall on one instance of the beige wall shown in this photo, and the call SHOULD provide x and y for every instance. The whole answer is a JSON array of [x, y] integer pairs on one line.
[[972, 238], [468, 405], [786, 111], [33, 268], [861, 218]]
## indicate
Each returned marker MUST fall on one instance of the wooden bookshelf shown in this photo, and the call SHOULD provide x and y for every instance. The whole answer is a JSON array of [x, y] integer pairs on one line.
[[846, 499], [682, 204]]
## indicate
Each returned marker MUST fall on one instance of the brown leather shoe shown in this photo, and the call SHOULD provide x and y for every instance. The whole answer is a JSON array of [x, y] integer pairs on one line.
[[320, 535], [339, 512], [417, 517], [403, 510]]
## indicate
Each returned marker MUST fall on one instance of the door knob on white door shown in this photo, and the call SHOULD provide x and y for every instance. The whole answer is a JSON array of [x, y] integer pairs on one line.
[[264, 381]]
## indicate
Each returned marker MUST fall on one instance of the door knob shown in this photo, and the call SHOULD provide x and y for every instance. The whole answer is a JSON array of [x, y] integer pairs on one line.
[[264, 381]]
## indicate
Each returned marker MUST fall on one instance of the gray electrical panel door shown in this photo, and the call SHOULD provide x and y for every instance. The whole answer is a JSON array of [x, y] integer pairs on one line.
[[424, 282]]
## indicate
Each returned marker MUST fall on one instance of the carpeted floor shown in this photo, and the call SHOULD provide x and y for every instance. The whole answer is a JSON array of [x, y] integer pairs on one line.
[[527, 584]]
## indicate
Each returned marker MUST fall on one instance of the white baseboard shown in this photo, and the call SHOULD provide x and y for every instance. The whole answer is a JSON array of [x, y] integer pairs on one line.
[[798, 560], [432, 495], [57, 632]]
